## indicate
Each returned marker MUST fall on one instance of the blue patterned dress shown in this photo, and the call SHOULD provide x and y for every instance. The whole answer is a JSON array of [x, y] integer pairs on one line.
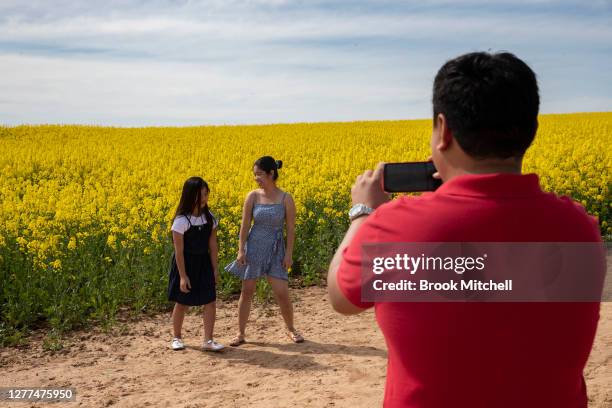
[[265, 246]]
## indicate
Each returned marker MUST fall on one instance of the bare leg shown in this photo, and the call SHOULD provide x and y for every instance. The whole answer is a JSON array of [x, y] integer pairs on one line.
[[280, 288], [208, 318], [244, 304], [178, 315]]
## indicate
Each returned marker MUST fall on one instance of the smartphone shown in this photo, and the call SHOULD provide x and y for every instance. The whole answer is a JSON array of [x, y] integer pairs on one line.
[[409, 177]]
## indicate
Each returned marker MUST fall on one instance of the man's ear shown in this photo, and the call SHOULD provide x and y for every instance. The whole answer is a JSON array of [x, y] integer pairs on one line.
[[445, 137]]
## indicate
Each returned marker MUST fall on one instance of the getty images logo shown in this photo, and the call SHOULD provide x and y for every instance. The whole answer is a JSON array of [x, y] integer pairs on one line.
[[413, 264]]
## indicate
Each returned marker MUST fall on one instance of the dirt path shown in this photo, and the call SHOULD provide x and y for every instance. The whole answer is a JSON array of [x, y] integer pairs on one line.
[[342, 363]]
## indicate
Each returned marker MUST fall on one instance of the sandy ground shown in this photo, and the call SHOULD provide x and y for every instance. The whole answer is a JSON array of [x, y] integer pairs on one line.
[[342, 363]]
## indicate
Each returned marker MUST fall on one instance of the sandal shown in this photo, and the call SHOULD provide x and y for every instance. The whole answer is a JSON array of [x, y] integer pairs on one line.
[[295, 336], [238, 340]]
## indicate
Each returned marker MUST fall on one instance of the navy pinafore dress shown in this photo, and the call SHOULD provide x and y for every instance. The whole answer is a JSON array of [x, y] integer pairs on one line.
[[198, 267]]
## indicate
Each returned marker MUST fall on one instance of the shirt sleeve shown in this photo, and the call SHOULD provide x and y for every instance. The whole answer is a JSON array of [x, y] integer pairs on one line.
[[349, 273], [180, 225], [592, 219]]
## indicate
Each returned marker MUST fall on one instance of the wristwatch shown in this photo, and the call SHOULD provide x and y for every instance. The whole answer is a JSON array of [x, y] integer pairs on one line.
[[358, 210]]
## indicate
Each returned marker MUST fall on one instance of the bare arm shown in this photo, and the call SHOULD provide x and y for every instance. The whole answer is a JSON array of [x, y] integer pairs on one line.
[[247, 215], [290, 221], [178, 253], [213, 248], [367, 190], [338, 301], [185, 284]]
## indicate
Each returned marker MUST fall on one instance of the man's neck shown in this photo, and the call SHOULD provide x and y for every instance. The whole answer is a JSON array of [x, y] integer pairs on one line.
[[511, 165]]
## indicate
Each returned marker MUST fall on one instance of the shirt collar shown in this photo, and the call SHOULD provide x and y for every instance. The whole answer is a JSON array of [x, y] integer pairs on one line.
[[492, 185]]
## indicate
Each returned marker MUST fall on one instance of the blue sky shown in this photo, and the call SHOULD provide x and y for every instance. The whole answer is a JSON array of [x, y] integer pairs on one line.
[[156, 63]]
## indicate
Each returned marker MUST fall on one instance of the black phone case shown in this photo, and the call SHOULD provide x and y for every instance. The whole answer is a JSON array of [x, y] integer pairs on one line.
[[426, 174]]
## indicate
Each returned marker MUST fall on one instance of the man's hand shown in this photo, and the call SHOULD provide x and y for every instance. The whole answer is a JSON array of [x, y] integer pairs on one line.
[[368, 188]]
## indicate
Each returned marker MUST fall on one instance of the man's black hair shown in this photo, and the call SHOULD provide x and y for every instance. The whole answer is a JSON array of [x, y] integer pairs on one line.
[[490, 102]]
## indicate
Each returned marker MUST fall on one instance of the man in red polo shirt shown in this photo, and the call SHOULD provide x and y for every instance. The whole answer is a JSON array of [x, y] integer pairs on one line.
[[470, 354]]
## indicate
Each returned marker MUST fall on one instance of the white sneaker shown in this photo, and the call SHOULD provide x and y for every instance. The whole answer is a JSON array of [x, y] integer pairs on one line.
[[212, 345], [177, 344]]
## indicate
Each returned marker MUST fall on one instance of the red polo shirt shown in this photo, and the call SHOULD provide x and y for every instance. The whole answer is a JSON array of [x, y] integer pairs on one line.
[[474, 355]]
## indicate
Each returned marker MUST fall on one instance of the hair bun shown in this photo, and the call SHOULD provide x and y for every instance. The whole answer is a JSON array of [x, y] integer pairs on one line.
[[279, 164]]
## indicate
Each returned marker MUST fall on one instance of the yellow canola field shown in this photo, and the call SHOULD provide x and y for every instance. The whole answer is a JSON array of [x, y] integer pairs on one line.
[[85, 211]]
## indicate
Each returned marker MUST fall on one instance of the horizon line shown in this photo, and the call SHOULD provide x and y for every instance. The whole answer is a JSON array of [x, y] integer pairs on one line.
[[2, 125]]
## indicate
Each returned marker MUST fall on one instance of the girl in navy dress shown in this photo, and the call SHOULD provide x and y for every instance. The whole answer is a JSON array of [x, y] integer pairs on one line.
[[194, 269], [262, 251]]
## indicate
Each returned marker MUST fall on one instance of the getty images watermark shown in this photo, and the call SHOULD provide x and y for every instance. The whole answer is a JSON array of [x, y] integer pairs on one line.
[[485, 271]]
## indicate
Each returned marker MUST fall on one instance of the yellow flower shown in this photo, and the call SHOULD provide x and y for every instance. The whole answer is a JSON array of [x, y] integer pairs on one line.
[[22, 242], [132, 202], [111, 240]]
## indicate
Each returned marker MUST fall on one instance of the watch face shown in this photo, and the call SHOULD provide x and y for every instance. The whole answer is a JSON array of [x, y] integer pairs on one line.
[[356, 209]]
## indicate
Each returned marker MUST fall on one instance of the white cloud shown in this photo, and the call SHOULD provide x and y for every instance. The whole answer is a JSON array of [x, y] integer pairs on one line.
[[313, 27], [140, 93], [268, 61]]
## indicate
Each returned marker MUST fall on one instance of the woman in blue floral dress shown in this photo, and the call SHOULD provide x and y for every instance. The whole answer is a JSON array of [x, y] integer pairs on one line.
[[262, 251]]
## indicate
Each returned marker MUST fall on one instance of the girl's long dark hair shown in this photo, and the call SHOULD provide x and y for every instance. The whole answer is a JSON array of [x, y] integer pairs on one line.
[[191, 198]]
